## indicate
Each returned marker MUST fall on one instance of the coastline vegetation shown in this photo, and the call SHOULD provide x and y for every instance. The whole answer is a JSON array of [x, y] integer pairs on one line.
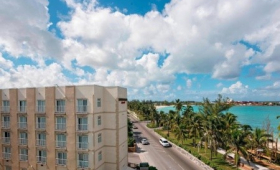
[[204, 132]]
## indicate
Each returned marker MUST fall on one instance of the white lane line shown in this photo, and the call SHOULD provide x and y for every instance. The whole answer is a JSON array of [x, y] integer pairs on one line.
[[171, 157], [180, 166]]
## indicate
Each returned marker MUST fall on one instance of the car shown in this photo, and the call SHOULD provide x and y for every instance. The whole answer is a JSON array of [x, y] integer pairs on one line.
[[145, 142], [164, 142], [135, 127]]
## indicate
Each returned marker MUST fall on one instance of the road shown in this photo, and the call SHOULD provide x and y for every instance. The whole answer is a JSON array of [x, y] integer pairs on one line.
[[158, 156]]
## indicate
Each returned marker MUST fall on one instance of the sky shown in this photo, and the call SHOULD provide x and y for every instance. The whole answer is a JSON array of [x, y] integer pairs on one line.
[[157, 49]]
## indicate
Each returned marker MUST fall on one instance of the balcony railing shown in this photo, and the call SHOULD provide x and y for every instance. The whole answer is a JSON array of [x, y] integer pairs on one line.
[[41, 109], [6, 140], [5, 109], [61, 144], [41, 159], [82, 109], [41, 142], [22, 125], [82, 164], [60, 161], [23, 157], [60, 126], [60, 109], [5, 124], [82, 127], [22, 141], [82, 145], [6, 155], [41, 126], [22, 109]]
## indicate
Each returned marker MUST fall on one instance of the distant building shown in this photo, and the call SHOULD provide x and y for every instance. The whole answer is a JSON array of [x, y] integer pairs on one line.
[[63, 128]]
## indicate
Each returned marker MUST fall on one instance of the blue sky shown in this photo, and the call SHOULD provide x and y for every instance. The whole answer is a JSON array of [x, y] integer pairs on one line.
[[157, 49]]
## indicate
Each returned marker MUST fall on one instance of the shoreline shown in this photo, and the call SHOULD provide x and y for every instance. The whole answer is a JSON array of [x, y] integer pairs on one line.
[[162, 106]]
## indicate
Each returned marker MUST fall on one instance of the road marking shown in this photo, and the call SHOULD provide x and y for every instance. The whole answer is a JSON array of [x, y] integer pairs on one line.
[[171, 157], [180, 167]]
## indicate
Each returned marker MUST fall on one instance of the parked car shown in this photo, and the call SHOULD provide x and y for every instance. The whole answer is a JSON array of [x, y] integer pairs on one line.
[[135, 127], [144, 166], [145, 142], [164, 142]]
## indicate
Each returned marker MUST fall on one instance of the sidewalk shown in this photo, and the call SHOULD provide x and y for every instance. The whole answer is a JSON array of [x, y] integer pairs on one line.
[[243, 160]]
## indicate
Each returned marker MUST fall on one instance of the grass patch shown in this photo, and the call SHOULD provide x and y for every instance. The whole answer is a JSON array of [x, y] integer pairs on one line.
[[203, 154]]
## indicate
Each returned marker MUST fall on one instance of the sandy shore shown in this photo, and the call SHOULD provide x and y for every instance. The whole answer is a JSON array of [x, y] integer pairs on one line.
[[162, 106]]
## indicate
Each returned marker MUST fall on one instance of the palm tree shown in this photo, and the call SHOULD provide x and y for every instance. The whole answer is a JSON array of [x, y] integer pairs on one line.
[[259, 138], [181, 133], [238, 142], [168, 120], [195, 126], [178, 105]]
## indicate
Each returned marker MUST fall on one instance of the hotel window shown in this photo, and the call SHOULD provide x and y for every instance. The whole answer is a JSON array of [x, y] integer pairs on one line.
[[41, 122], [60, 106], [83, 160], [60, 123], [83, 142], [6, 106], [82, 123], [6, 121], [23, 138], [23, 155], [8, 168], [99, 120], [41, 156], [22, 122], [6, 152], [60, 140], [99, 156], [98, 102], [6, 137], [41, 106], [82, 105], [22, 106], [41, 139], [99, 138], [61, 158]]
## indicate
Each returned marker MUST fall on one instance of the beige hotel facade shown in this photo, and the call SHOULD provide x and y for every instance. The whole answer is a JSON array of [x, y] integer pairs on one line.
[[63, 128]]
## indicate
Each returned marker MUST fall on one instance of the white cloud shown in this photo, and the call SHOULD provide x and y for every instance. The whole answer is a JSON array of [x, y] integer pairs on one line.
[[219, 85], [179, 88], [26, 34], [237, 88], [189, 83], [4, 63]]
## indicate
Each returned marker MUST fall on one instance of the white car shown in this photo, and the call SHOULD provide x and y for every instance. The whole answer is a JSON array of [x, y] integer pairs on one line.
[[164, 142], [145, 142]]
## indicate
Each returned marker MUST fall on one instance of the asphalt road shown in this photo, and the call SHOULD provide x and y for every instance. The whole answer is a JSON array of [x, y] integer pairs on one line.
[[158, 156]]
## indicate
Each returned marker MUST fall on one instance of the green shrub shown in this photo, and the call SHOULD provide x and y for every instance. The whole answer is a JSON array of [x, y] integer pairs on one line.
[[130, 142]]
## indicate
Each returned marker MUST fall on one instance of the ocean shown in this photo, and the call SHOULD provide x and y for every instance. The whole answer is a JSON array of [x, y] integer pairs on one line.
[[251, 115]]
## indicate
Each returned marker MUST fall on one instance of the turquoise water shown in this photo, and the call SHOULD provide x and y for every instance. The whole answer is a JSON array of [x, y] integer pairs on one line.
[[251, 115]]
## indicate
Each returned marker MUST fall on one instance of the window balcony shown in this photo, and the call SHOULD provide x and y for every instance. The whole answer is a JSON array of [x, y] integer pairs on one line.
[[23, 157], [6, 140], [82, 164], [6, 124], [82, 109], [60, 161], [82, 145], [22, 141], [22, 109], [22, 125], [41, 109], [41, 142], [82, 127], [6, 155], [5, 109], [61, 144], [60, 126], [40, 126], [60, 109], [41, 159]]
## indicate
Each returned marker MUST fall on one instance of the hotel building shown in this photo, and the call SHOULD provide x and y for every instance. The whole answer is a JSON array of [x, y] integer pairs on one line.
[[63, 128]]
